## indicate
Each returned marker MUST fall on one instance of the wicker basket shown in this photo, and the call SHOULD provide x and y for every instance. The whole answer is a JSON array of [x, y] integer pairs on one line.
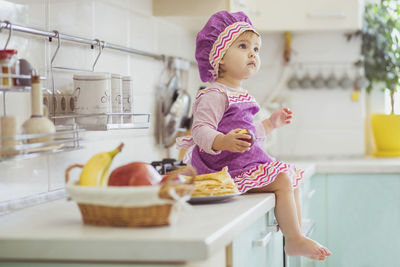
[[155, 215], [160, 210]]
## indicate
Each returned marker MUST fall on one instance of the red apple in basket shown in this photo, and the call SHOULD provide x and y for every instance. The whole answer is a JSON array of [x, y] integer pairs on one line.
[[134, 174], [177, 178], [249, 132]]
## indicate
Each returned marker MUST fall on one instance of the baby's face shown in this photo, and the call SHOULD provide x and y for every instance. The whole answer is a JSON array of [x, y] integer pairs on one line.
[[242, 59]]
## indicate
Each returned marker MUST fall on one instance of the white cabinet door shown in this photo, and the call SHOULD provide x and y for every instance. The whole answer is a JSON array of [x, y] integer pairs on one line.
[[258, 245], [303, 15]]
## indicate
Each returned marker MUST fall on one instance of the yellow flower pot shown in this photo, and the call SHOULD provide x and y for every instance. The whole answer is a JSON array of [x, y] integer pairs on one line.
[[386, 130]]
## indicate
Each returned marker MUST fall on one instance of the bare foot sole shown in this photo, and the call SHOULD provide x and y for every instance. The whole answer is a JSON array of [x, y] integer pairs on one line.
[[304, 246]]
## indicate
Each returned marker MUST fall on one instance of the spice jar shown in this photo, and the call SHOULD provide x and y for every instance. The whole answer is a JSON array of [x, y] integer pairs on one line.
[[8, 64]]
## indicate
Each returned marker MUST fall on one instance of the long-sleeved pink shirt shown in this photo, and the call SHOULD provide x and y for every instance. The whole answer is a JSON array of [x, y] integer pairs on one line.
[[208, 111]]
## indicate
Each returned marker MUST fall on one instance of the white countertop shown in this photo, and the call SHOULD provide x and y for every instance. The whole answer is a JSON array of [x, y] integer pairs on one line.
[[363, 165], [54, 231]]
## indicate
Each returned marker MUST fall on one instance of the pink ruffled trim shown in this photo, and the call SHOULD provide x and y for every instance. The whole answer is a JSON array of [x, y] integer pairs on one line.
[[265, 174]]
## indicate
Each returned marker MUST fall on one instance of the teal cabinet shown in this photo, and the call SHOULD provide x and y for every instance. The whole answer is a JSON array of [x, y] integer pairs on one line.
[[358, 218], [258, 245]]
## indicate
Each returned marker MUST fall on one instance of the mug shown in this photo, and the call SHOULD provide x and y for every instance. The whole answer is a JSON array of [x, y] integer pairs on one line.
[[306, 82], [345, 82], [319, 81], [67, 101], [293, 82], [93, 96], [332, 82]]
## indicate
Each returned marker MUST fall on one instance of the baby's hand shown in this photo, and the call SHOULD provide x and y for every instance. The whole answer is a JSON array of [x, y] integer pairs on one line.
[[231, 141], [281, 117]]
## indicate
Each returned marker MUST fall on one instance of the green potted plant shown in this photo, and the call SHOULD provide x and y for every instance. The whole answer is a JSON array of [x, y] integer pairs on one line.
[[380, 49]]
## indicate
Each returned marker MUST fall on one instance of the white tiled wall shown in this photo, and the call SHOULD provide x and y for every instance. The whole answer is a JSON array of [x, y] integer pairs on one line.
[[124, 22]]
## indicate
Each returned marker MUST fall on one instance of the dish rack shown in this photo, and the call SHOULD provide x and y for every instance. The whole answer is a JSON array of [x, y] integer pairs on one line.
[[134, 121], [21, 146], [66, 138]]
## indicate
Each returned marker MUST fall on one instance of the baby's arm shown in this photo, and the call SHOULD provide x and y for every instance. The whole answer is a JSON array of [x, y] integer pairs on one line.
[[208, 110], [277, 119]]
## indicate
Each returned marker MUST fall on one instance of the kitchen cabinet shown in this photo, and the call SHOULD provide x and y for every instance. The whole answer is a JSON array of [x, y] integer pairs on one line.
[[258, 245], [268, 15], [357, 218], [305, 15]]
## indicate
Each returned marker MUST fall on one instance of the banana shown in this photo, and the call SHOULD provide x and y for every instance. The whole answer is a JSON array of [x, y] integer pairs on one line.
[[95, 171]]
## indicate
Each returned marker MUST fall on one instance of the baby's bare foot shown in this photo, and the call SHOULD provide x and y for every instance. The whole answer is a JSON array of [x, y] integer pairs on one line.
[[304, 246]]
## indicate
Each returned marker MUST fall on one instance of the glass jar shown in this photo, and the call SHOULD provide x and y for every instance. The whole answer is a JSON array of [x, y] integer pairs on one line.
[[8, 65]]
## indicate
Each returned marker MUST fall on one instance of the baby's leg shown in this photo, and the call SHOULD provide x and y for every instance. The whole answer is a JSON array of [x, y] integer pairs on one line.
[[286, 214], [296, 192]]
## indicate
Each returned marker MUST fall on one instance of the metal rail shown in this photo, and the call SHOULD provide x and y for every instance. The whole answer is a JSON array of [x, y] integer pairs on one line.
[[54, 34]]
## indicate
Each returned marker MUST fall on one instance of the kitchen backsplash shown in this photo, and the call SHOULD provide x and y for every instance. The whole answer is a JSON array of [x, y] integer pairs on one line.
[[326, 123]]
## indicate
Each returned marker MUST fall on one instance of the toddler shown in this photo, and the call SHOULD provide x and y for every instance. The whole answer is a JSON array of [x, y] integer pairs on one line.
[[227, 52]]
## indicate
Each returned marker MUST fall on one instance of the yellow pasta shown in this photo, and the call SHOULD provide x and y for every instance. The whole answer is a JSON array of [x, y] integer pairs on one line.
[[214, 184]]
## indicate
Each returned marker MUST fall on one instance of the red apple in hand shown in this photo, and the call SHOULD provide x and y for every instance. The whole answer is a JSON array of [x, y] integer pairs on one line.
[[247, 131], [134, 174]]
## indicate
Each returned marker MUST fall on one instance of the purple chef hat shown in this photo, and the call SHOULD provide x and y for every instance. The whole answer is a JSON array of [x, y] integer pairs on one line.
[[212, 42]]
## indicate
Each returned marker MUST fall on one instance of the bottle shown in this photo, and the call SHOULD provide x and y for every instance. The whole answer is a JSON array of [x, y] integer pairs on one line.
[[38, 123], [8, 60]]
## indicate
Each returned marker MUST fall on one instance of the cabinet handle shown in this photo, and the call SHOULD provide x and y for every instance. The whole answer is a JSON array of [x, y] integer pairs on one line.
[[263, 242], [327, 15], [272, 228], [267, 235], [310, 194]]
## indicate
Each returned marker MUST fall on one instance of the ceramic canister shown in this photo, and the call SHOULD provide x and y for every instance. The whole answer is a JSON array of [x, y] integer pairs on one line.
[[127, 98], [116, 96], [93, 96]]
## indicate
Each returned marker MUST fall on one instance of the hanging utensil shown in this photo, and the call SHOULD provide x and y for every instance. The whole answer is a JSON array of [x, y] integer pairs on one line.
[[170, 93], [176, 120]]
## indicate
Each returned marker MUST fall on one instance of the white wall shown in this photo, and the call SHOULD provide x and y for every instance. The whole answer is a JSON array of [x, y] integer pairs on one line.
[[327, 123], [124, 22]]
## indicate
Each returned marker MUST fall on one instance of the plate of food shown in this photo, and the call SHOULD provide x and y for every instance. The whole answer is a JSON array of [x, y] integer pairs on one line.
[[213, 187], [211, 199]]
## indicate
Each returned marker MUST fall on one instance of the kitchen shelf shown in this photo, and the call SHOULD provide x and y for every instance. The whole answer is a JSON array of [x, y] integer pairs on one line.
[[134, 121], [66, 138], [17, 88]]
